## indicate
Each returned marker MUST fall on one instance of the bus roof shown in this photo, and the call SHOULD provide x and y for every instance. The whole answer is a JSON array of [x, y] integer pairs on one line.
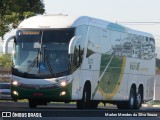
[[66, 21]]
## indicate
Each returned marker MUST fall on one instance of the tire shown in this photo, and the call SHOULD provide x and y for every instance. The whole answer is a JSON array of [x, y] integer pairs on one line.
[[122, 106], [85, 102], [93, 104], [32, 104], [139, 98], [130, 104], [132, 99]]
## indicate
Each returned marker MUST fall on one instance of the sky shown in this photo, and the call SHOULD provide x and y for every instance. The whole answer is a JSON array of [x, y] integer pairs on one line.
[[112, 10], [115, 11]]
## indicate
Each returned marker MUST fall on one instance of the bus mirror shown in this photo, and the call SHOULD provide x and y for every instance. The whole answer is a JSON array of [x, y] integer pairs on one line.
[[72, 44], [5, 45]]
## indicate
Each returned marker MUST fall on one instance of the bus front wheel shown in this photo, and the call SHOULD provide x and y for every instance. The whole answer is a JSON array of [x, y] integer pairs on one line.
[[32, 104], [85, 102]]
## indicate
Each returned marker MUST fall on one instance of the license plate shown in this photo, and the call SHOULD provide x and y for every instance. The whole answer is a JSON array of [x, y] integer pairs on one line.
[[38, 94]]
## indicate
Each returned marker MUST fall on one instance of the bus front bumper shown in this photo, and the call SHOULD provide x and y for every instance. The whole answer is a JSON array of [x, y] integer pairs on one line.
[[53, 94]]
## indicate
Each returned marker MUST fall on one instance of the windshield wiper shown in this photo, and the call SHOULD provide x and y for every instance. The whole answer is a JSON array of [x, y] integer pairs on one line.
[[49, 65], [36, 60]]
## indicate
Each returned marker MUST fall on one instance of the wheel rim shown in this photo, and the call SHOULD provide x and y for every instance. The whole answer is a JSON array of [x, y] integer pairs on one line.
[[139, 98]]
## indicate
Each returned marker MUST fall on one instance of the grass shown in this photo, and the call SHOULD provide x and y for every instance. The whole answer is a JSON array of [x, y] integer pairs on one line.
[[155, 102]]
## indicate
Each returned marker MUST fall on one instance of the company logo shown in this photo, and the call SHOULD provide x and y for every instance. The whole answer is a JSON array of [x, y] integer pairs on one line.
[[134, 66], [6, 114], [15, 114]]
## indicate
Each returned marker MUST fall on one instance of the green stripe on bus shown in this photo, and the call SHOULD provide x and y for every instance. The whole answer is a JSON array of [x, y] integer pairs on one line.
[[112, 77]]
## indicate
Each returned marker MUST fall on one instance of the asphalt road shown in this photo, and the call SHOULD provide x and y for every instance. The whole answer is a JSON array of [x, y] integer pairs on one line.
[[70, 112]]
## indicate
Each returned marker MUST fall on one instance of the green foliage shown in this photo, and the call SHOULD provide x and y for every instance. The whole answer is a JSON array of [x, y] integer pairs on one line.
[[5, 60], [5, 63], [12, 12]]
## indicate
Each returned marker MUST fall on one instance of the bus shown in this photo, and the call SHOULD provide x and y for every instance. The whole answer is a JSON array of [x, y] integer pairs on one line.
[[62, 58]]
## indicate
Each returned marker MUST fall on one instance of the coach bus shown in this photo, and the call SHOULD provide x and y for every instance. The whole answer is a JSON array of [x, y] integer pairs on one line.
[[64, 58]]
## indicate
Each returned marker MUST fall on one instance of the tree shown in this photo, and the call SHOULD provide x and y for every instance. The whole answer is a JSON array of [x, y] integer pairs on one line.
[[5, 65], [5, 60], [12, 12]]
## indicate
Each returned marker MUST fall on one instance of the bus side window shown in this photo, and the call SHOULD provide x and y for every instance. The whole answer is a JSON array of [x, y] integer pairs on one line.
[[79, 46], [78, 55]]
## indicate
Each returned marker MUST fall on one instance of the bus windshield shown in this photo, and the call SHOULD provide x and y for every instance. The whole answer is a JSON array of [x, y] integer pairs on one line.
[[42, 53]]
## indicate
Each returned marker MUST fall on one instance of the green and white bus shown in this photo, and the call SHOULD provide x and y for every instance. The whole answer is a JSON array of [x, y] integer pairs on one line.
[[63, 58]]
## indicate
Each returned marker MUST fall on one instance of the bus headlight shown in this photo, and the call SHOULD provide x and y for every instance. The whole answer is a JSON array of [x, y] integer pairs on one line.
[[63, 83], [15, 83], [62, 93], [15, 93]]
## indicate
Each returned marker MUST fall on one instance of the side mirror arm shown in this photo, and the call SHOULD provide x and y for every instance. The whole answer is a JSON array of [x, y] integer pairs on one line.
[[72, 44], [5, 45]]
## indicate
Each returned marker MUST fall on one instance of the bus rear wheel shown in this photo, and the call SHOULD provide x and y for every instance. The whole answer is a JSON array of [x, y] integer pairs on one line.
[[139, 98], [130, 104], [132, 99], [93, 104]]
